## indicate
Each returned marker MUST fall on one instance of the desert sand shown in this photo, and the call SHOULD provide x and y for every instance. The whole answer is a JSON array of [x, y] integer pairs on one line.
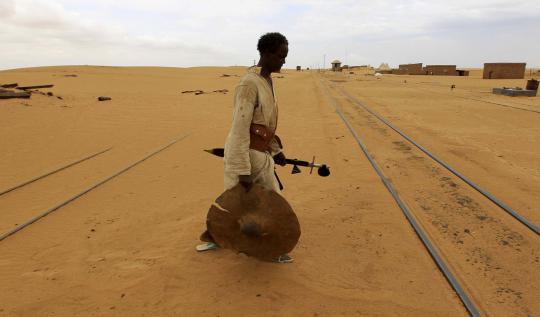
[[127, 247]]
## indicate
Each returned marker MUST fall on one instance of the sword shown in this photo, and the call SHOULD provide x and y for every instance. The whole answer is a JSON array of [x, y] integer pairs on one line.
[[322, 169]]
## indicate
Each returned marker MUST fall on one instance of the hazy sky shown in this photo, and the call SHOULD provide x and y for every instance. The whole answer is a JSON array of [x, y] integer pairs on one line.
[[194, 33]]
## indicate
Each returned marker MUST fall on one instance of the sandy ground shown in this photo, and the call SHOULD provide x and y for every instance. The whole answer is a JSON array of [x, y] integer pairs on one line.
[[126, 248], [492, 144]]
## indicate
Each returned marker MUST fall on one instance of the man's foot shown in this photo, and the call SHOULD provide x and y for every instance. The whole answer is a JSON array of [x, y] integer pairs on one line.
[[206, 237], [207, 246], [285, 258]]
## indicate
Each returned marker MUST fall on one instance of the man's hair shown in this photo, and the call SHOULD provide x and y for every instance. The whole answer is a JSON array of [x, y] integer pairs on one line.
[[270, 42]]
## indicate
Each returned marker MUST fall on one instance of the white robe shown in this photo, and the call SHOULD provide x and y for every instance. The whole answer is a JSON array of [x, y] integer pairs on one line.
[[254, 102]]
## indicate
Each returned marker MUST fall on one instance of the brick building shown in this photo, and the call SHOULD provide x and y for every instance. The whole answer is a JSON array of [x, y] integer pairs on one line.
[[410, 69], [441, 70], [504, 70]]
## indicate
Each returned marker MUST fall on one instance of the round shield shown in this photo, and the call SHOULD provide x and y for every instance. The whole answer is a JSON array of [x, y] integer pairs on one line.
[[259, 222]]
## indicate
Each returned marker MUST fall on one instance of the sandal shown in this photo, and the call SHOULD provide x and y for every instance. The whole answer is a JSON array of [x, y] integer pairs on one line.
[[207, 246], [285, 258]]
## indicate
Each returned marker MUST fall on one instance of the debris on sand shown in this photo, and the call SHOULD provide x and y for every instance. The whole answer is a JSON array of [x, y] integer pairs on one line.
[[13, 94], [37, 91], [9, 85], [197, 92], [35, 87], [104, 98], [71, 75], [200, 92], [227, 75], [25, 93], [513, 92]]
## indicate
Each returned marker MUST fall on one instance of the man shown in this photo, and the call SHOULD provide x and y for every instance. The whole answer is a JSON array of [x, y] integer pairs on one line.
[[252, 147], [251, 143]]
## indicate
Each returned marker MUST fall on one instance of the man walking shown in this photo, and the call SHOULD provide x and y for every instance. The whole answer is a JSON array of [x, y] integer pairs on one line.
[[252, 146]]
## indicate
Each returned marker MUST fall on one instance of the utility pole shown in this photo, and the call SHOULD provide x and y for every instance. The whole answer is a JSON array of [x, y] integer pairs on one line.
[[324, 61]]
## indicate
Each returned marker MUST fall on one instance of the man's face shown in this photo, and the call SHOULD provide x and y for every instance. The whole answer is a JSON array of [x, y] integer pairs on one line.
[[277, 58]]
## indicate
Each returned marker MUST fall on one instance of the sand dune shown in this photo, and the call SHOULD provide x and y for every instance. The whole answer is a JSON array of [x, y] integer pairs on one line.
[[127, 247]]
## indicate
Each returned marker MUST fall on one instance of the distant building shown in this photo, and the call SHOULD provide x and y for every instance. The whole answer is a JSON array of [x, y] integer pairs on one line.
[[504, 70], [360, 67], [462, 72], [440, 70], [336, 66], [383, 67], [298, 68], [410, 69]]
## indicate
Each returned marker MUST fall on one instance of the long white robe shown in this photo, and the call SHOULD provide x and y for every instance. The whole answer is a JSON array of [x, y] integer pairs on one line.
[[254, 102]]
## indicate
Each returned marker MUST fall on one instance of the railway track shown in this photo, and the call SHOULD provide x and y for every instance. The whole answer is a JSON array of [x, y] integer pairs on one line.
[[461, 225], [535, 228], [37, 215], [30, 181], [482, 100]]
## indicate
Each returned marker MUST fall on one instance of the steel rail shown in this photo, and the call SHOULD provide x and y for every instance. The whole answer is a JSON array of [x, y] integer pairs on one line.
[[52, 172], [484, 192], [473, 311], [500, 104], [44, 214]]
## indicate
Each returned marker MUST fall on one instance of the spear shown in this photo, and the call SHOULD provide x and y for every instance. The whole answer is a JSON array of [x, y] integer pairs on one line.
[[322, 169]]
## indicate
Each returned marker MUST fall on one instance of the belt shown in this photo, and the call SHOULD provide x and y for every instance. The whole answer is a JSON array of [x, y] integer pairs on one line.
[[260, 137]]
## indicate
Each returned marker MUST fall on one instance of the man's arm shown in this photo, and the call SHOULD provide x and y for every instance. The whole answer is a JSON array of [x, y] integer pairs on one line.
[[276, 150], [237, 149]]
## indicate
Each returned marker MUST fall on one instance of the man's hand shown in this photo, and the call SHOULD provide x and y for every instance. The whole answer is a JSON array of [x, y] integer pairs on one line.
[[245, 181], [280, 158]]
